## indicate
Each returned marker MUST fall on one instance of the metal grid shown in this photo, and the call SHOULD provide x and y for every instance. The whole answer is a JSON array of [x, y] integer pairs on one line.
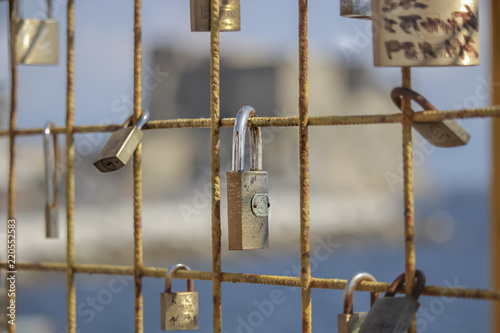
[[306, 282]]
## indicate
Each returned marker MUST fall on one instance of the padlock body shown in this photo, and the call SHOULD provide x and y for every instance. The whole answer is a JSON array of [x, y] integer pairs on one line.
[[119, 149], [179, 311], [37, 42], [248, 210], [390, 315], [447, 133], [229, 19], [51, 222], [351, 323], [425, 33], [361, 9]]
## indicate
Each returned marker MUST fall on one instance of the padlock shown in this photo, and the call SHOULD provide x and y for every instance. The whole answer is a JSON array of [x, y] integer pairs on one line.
[[447, 133], [361, 9], [121, 145], [247, 194], [425, 33], [394, 314], [37, 41], [229, 15], [350, 322], [52, 162], [179, 311]]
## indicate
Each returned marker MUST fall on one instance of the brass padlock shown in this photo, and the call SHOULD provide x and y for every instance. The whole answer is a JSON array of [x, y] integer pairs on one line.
[[350, 322], [229, 19], [425, 33], [247, 194], [52, 162], [361, 9], [121, 145], [179, 311], [447, 133], [37, 41], [394, 314]]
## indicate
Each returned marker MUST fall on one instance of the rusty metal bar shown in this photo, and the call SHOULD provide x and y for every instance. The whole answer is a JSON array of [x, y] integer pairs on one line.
[[70, 170], [419, 117], [287, 281], [137, 172], [215, 165], [11, 210], [495, 169]]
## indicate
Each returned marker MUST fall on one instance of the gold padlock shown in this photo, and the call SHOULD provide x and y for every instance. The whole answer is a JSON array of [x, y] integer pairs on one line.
[[247, 193], [350, 322], [179, 311], [447, 133], [229, 19], [52, 162], [121, 145], [37, 41]]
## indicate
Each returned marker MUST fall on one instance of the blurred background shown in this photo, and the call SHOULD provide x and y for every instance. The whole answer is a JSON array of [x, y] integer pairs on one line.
[[356, 171]]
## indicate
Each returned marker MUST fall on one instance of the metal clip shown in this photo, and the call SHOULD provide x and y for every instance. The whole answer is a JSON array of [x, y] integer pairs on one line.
[[52, 161]]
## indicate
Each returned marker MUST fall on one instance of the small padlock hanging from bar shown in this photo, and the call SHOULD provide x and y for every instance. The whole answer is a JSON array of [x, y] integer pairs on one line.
[[179, 311], [350, 322], [121, 145], [360, 9], [52, 164], [247, 191], [37, 41], [394, 314], [229, 15], [446, 133]]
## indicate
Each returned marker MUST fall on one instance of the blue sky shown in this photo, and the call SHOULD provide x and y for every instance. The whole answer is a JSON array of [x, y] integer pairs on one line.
[[104, 47]]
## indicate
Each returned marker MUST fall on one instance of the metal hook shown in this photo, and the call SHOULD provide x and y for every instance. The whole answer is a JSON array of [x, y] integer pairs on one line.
[[170, 272], [51, 178], [239, 131]]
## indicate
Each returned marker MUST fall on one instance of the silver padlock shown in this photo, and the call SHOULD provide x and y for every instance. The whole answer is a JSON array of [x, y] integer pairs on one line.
[[247, 193], [121, 145], [179, 311], [447, 133], [229, 15], [37, 40], [52, 162], [361, 9], [394, 314], [350, 322], [425, 33]]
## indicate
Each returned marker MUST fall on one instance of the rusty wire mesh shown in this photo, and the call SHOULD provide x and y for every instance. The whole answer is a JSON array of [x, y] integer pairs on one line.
[[306, 282]]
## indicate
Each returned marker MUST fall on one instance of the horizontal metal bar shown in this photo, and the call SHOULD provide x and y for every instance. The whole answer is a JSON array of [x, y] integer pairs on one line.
[[419, 117], [288, 281]]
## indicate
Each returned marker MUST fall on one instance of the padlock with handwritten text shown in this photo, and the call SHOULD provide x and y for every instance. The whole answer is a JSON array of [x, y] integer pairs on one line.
[[247, 194], [37, 40], [350, 322], [121, 145], [361, 9], [394, 314], [425, 32], [179, 311], [229, 15]]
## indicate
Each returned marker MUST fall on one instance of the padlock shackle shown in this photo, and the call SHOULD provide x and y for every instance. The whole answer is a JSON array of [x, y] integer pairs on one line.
[[18, 4], [351, 285], [398, 284], [168, 278], [52, 162], [143, 119], [397, 95], [240, 127]]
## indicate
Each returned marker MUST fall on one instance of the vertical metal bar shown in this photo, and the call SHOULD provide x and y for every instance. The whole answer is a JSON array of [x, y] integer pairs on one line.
[[305, 262], [12, 126], [138, 253], [495, 191], [215, 164], [409, 209], [70, 170]]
